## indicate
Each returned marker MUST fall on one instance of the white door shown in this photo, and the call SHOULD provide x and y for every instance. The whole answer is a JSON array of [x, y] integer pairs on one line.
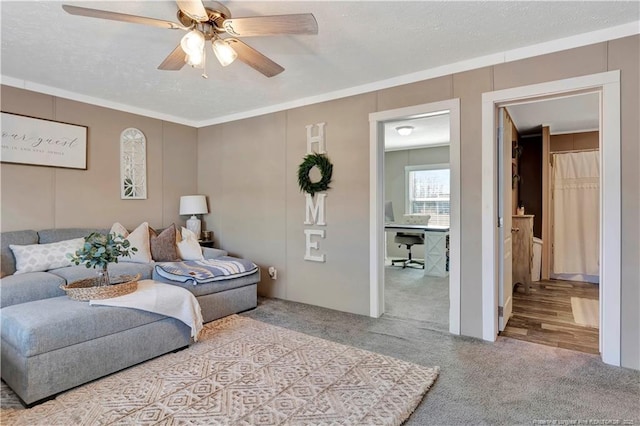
[[505, 285]]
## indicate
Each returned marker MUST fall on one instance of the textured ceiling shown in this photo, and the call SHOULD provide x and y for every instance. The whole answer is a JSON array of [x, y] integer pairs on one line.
[[572, 114], [427, 132], [359, 43]]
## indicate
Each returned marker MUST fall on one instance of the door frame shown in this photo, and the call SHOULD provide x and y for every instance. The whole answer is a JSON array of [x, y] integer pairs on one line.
[[376, 203], [608, 85], [505, 229]]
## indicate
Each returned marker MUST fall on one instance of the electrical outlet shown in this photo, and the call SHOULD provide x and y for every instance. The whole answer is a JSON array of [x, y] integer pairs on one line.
[[273, 273]]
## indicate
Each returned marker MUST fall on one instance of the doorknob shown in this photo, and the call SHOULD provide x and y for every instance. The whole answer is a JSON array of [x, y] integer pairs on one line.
[[515, 229]]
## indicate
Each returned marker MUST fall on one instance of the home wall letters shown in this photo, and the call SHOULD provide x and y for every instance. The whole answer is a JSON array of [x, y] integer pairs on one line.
[[315, 200]]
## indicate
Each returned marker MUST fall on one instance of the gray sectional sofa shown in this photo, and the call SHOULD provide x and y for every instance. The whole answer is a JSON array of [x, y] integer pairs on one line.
[[51, 343]]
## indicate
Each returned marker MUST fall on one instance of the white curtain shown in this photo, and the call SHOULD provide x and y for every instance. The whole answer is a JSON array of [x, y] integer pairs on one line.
[[576, 201]]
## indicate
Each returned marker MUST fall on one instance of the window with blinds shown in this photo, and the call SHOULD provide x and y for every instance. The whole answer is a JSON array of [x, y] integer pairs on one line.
[[428, 192]]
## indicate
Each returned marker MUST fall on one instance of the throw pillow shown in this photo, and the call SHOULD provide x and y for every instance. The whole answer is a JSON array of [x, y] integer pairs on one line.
[[118, 229], [188, 247], [42, 257], [163, 245], [139, 238]]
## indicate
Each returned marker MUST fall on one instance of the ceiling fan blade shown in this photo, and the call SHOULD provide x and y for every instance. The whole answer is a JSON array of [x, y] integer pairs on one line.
[[302, 23], [194, 9], [254, 59], [175, 60], [103, 14]]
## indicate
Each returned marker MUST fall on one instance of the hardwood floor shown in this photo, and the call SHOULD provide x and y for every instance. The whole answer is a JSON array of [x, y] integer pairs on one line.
[[544, 315]]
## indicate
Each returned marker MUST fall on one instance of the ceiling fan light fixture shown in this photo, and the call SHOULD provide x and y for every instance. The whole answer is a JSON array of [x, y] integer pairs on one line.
[[193, 43], [404, 130], [206, 21], [196, 59], [224, 52]]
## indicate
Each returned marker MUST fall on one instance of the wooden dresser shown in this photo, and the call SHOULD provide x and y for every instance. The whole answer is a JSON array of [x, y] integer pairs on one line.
[[522, 259]]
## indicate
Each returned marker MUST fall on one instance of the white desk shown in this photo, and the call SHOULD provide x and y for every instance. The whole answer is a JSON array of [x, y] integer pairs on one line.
[[435, 245]]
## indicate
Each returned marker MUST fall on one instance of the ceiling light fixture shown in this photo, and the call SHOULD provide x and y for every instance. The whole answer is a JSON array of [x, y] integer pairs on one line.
[[224, 52], [196, 59], [192, 43], [193, 46], [404, 130]]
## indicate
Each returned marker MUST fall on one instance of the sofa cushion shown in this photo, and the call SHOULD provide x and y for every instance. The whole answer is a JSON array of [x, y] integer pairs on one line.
[[42, 257], [163, 245], [23, 288], [47, 236], [7, 261], [81, 272], [46, 325], [212, 253]]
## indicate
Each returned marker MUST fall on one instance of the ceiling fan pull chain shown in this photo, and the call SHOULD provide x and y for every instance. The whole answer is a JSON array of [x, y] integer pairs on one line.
[[204, 67]]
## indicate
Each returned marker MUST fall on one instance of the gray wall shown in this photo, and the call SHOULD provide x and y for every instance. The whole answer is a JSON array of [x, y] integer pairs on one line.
[[44, 197], [394, 186], [264, 220], [248, 169]]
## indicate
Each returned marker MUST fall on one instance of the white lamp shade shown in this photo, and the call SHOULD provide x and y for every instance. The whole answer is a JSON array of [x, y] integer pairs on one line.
[[193, 204]]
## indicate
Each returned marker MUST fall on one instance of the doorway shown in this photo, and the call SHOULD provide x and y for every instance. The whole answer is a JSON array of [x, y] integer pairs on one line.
[[417, 195], [608, 87], [377, 202], [555, 163]]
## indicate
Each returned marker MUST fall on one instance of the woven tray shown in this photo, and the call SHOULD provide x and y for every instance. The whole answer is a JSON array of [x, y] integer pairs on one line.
[[87, 290]]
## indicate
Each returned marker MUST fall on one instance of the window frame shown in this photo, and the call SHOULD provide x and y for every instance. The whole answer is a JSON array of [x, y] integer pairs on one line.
[[421, 167]]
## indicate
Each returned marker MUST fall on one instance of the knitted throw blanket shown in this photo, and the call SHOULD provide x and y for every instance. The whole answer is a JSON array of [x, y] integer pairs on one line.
[[206, 271]]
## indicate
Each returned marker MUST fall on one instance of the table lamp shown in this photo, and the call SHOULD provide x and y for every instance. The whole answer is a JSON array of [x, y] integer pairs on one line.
[[193, 205]]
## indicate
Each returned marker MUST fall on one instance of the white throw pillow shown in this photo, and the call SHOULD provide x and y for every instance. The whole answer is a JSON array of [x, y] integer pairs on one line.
[[139, 238], [118, 229], [188, 246], [42, 257]]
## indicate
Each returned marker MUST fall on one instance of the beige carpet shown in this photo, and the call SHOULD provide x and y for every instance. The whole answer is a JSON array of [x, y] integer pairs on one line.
[[244, 372], [585, 311]]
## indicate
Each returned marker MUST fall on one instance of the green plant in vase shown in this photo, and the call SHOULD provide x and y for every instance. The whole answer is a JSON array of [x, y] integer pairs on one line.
[[101, 249]]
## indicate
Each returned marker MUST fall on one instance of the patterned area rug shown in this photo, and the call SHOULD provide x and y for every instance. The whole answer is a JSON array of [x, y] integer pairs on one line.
[[244, 372]]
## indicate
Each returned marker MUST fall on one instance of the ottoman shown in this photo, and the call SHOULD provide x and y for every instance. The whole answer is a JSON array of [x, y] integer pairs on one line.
[[234, 291], [52, 345]]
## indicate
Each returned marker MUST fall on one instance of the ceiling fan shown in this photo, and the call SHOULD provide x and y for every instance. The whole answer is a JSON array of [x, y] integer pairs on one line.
[[209, 24]]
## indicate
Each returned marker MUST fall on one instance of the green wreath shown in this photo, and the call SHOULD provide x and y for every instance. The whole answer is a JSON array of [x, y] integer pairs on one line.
[[326, 170]]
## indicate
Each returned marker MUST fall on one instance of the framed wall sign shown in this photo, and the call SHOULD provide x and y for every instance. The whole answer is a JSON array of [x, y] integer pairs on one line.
[[39, 142]]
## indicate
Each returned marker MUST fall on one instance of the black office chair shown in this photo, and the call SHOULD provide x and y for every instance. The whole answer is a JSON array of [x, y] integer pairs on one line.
[[409, 240]]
